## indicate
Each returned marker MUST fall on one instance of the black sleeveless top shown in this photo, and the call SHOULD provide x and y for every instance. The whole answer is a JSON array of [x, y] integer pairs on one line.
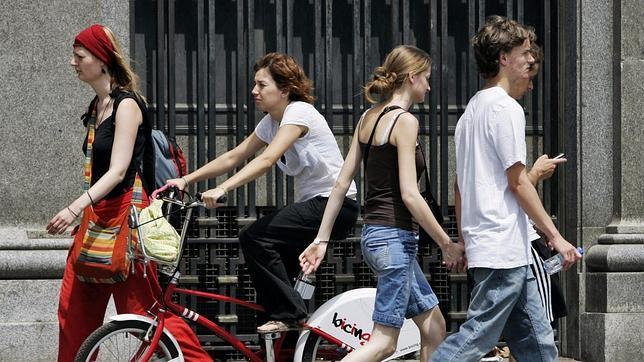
[[102, 148], [383, 201]]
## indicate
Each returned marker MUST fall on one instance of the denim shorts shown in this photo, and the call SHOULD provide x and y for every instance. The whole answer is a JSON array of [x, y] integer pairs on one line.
[[403, 292]]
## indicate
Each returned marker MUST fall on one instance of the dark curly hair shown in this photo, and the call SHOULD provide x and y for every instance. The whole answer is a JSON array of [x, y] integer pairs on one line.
[[498, 34], [288, 76]]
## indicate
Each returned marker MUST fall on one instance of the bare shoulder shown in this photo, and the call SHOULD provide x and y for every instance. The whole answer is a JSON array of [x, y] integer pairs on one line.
[[129, 104], [405, 131], [128, 108], [408, 119]]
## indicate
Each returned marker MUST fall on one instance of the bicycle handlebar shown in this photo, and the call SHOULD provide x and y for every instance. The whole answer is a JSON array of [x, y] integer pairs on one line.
[[221, 200], [167, 192]]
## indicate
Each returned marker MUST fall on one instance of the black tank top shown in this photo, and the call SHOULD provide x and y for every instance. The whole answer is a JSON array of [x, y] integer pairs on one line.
[[102, 150], [383, 202]]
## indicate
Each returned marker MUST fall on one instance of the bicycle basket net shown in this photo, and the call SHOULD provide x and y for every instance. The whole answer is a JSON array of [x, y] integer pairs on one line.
[[159, 237]]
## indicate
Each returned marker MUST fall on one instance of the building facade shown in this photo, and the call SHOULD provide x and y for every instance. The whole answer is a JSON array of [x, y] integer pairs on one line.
[[590, 99]]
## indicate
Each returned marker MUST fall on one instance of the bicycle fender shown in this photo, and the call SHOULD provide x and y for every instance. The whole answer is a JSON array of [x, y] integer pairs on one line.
[[347, 317], [142, 318]]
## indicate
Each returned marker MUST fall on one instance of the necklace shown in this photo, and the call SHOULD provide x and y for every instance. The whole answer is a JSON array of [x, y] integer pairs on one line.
[[99, 120]]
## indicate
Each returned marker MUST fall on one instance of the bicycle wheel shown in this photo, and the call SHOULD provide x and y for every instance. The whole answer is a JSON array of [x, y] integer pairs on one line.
[[123, 341], [317, 348]]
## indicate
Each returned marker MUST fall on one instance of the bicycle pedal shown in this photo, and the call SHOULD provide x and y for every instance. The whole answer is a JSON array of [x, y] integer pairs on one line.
[[270, 335]]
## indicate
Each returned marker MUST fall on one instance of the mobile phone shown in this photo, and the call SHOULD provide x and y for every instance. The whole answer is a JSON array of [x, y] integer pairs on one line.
[[558, 156]]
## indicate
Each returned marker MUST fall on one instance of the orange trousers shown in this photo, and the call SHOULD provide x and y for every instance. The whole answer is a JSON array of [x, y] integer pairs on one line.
[[81, 308]]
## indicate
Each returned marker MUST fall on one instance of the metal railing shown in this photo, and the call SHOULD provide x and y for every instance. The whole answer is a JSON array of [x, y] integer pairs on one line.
[[195, 58]]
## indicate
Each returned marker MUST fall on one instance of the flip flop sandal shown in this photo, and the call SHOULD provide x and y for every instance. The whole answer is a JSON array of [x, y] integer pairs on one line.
[[274, 326]]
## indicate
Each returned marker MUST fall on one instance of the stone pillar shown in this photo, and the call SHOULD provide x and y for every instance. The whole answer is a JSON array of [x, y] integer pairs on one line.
[[41, 159], [612, 323]]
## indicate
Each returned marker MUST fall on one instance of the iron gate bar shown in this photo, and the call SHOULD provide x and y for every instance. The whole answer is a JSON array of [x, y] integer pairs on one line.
[[201, 86], [290, 187], [240, 94], [200, 94], [289, 28], [444, 80], [545, 85], [433, 96], [406, 33], [472, 78], [250, 124], [212, 89], [171, 71], [366, 74], [357, 79], [394, 27], [279, 175], [279, 32], [160, 91], [328, 65]]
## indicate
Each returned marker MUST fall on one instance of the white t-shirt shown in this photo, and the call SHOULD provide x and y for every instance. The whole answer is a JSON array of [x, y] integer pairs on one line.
[[314, 159], [490, 137]]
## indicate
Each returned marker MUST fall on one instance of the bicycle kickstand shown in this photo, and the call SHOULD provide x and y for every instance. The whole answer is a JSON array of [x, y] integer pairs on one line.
[[268, 341]]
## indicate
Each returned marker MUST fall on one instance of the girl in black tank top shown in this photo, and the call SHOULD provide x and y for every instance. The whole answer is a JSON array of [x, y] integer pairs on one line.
[[383, 200], [393, 202]]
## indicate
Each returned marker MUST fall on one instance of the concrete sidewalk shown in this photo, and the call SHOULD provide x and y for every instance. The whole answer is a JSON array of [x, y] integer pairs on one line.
[[561, 359]]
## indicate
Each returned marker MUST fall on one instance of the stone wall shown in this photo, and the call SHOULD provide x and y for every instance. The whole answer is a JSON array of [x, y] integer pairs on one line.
[[612, 224], [41, 159]]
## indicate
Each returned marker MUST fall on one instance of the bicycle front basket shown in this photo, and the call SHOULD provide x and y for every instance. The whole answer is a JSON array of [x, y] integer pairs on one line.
[[158, 237]]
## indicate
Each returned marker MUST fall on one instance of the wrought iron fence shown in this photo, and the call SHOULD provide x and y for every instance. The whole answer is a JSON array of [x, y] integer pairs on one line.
[[195, 59]]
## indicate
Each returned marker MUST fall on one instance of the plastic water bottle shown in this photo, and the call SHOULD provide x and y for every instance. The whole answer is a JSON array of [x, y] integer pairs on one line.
[[554, 264], [304, 285]]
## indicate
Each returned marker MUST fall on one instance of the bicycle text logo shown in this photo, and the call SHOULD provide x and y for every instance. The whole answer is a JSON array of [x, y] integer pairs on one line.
[[352, 329]]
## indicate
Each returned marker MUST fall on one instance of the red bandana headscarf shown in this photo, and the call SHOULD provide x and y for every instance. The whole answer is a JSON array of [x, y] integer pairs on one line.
[[96, 42]]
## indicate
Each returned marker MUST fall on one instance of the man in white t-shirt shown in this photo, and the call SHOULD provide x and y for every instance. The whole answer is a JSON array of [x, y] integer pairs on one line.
[[494, 198]]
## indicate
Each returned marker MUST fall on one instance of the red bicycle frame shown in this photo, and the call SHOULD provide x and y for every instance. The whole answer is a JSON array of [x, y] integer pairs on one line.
[[169, 307], [166, 306]]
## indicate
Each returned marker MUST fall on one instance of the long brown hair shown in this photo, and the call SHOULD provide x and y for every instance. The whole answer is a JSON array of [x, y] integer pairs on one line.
[[123, 77]]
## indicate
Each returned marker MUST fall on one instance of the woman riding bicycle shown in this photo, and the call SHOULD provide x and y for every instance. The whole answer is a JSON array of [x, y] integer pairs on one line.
[[393, 207], [119, 141], [298, 139]]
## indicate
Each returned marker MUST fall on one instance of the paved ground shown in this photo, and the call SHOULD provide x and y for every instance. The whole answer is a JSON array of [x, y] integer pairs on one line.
[[561, 359]]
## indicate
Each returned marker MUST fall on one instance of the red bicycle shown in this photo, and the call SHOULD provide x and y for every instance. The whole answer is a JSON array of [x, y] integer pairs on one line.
[[334, 329]]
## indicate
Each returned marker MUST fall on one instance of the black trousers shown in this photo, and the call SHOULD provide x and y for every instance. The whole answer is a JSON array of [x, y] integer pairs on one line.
[[272, 244]]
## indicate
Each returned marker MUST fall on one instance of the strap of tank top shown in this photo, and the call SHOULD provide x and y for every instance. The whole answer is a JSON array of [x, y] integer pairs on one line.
[[373, 131], [393, 124]]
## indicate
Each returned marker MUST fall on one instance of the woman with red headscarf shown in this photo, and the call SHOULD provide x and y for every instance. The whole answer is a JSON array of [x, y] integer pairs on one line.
[[120, 137]]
